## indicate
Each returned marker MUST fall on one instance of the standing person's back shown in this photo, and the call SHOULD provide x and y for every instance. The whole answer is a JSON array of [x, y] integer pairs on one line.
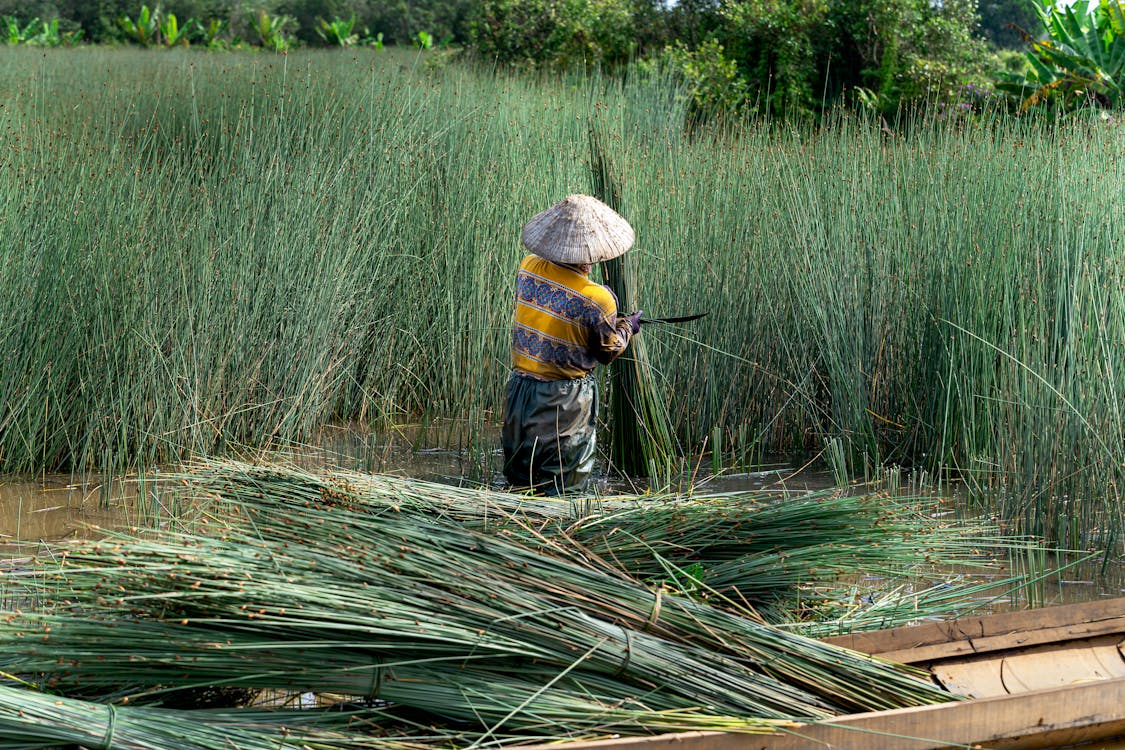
[[564, 325]]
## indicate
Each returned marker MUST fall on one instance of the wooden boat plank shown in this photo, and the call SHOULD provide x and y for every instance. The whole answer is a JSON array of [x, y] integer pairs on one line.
[[983, 645], [1020, 657], [1036, 668], [1045, 718], [973, 679], [1027, 721], [974, 635]]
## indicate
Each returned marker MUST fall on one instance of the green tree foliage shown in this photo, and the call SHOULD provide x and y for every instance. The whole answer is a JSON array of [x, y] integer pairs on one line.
[[144, 29], [711, 80], [399, 21], [693, 21], [796, 56], [1080, 62], [99, 18], [338, 32], [941, 56], [36, 33], [271, 31], [172, 33], [555, 33], [1004, 23], [788, 57]]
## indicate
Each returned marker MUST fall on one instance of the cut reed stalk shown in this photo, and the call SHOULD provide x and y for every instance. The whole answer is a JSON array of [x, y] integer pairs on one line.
[[30, 720], [753, 547], [301, 590]]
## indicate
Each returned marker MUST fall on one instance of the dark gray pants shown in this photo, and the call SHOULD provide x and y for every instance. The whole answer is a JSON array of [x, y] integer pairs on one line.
[[549, 435]]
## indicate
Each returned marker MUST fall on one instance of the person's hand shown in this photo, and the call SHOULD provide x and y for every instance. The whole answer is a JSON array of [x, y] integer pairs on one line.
[[634, 320]]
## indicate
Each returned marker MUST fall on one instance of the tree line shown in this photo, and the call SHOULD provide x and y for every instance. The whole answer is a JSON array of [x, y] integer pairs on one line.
[[783, 57]]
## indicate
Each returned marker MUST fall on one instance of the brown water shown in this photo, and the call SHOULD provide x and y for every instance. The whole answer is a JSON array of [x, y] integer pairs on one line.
[[54, 507]]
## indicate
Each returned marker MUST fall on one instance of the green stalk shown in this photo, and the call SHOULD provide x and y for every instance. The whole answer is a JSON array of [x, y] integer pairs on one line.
[[30, 720], [769, 549], [173, 283], [641, 435], [300, 590]]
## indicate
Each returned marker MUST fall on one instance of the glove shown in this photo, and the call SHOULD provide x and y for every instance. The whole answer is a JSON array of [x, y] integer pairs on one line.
[[634, 320]]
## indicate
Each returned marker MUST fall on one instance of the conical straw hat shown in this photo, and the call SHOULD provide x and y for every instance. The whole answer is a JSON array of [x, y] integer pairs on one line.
[[578, 229]]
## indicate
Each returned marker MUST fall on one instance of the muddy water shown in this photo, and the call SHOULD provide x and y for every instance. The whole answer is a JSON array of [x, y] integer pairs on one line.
[[50, 508]]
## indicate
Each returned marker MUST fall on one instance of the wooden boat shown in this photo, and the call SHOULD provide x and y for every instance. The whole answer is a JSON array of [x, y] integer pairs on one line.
[[1044, 678]]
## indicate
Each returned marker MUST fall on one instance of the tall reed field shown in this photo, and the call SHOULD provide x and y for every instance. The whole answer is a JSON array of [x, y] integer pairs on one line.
[[201, 252]]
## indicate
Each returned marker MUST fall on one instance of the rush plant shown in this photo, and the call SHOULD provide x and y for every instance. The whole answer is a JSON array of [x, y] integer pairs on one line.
[[945, 301]]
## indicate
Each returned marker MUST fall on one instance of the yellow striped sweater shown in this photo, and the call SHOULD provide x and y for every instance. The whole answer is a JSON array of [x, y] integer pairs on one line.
[[564, 323]]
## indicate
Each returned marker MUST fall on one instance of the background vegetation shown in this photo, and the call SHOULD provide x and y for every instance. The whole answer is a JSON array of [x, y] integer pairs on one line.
[[790, 58], [204, 251]]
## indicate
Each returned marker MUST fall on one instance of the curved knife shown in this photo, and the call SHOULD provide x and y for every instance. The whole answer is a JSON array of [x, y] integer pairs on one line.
[[679, 319]]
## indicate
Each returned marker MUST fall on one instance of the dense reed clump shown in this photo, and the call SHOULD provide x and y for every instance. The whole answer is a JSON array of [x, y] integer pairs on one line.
[[170, 260], [944, 297], [642, 443], [267, 244]]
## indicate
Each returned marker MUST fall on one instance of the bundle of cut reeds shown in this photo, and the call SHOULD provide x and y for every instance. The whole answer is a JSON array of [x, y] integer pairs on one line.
[[31, 720], [641, 439], [751, 547], [300, 589]]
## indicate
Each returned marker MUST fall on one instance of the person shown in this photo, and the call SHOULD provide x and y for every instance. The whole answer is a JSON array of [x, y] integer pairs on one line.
[[564, 325]]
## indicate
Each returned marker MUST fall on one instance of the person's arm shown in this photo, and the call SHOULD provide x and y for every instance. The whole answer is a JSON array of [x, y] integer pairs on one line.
[[613, 335]]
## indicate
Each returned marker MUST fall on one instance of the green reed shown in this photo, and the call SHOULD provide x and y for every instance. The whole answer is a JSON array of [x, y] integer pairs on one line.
[[202, 252], [261, 246], [302, 582], [32, 720], [641, 435], [945, 298]]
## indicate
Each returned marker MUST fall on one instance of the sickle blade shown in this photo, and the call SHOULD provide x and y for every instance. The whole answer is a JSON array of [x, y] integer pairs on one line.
[[679, 319]]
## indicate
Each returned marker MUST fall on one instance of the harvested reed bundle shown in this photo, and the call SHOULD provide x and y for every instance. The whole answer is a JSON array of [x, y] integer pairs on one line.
[[601, 593], [640, 431], [752, 547], [308, 571], [30, 720], [407, 606], [533, 701]]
